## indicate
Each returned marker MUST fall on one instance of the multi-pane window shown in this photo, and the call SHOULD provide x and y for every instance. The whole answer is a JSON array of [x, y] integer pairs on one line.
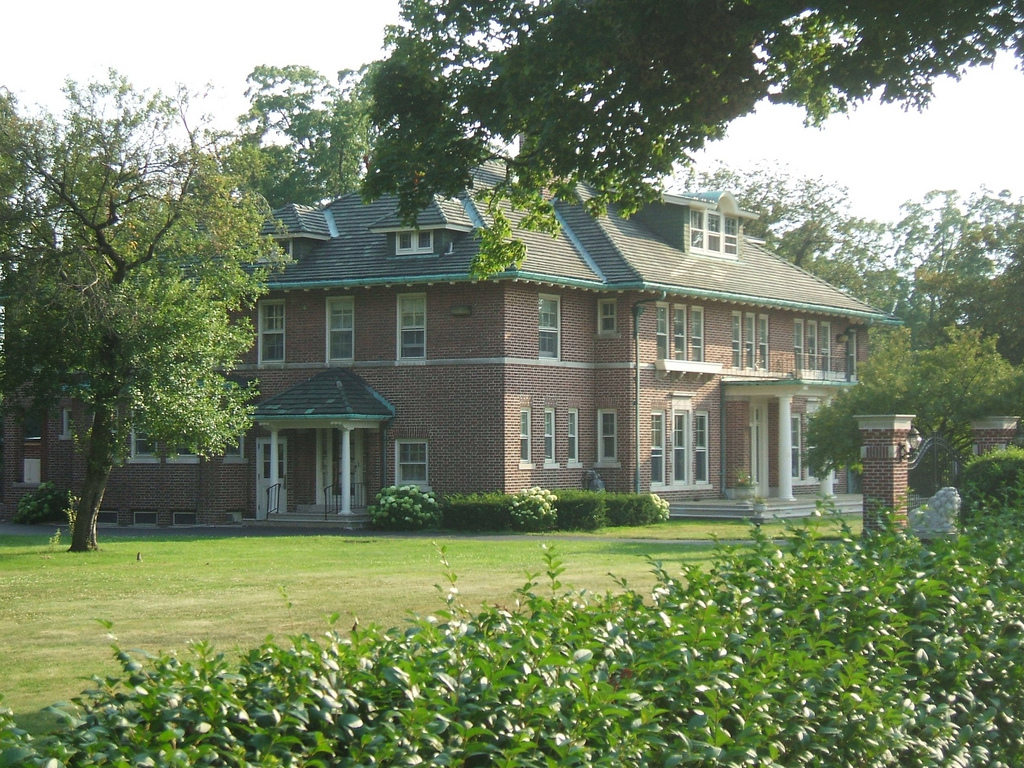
[[524, 436], [657, 448], [271, 331], [749, 341], [549, 435], [825, 346], [661, 331], [606, 316], [142, 446], [679, 332], [714, 232], [795, 453], [762, 342], [573, 435], [340, 329], [737, 340], [548, 326], [607, 436], [851, 354], [412, 327], [798, 344], [412, 462], [697, 334], [417, 241], [811, 344], [680, 447], [65, 424], [700, 447]]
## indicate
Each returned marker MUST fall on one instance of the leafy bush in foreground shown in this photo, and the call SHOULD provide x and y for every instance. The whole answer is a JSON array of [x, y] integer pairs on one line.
[[994, 480], [876, 651]]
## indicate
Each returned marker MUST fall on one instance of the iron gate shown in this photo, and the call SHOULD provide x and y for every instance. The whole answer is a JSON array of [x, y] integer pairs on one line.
[[937, 464]]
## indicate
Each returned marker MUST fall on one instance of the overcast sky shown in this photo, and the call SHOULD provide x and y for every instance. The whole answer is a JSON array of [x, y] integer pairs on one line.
[[968, 138]]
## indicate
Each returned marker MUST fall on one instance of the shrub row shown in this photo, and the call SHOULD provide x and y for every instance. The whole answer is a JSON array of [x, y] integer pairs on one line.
[[537, 509], [993, 481], [877, 651]]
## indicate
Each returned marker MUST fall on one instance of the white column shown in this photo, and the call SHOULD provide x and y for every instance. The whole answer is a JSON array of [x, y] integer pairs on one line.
[[274, 475], [346, 471], [785, 448]]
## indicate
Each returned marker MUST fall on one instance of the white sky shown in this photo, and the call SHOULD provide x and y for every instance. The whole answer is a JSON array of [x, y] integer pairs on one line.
[[968, 138]]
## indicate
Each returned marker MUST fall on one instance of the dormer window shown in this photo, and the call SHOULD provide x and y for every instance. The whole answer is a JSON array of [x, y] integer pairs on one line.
[[414, 242], [713, 232]]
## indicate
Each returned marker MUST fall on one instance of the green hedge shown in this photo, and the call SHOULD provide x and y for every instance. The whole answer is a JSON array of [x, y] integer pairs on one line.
[[477, 512], [45, 504], [867, 651], [634, 509], [992, 481], [580, 510]]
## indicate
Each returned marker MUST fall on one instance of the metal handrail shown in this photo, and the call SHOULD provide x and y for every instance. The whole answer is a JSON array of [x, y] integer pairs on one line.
[[332, 501], [274, 499]]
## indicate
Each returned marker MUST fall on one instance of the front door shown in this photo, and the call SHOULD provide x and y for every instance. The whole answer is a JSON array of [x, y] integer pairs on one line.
[[263, 476], [759, 447]]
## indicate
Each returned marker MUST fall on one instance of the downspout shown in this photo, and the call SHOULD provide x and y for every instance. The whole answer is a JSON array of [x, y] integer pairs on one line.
[[638, 309]]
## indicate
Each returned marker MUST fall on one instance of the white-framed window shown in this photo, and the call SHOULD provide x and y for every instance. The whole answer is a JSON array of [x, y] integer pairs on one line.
[[851, 354], [825, 345], [679, 331], [525, 449], [65, 424], [412, 326], [548, 325], [713, 232], [658, 448], [413, 242], [573, 437], [607, 316], [762, 342], [749, 340], [271, 331], [340, 328], [697, 334], [680, 447], [411, 462], [607, 436], [701, 473], [796, 455], [798, 344], [234, 452], [737, 340], [182, 455], [661, 330], [549, 437], [143, 449], [811, 344]]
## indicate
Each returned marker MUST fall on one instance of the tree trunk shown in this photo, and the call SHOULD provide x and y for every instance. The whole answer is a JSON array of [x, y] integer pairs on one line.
[[99, 460]]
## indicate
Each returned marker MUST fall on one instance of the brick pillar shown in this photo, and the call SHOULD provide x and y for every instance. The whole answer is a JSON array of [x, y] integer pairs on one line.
[[885, 471], [993, 433]]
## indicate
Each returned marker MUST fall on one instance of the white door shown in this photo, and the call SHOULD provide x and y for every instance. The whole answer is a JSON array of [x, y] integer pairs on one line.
[[263, 475], [759, 447]]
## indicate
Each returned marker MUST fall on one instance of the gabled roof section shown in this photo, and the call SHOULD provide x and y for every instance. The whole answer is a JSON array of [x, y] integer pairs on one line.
[[299, 221], [442, 213], [337, 393], [725, 202]]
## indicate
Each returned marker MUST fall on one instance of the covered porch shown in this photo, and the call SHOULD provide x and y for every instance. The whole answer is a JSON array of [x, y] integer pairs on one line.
[[764, 440], [316, 461]]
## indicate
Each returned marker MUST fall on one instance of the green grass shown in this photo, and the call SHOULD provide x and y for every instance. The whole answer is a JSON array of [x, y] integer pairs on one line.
[[236, 591]]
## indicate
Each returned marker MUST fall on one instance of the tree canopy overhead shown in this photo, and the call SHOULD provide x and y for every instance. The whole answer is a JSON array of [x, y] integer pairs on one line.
[[126, 249], [614, 92]]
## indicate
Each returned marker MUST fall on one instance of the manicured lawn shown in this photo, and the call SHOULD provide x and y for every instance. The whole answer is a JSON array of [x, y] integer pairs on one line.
[[235, 591]]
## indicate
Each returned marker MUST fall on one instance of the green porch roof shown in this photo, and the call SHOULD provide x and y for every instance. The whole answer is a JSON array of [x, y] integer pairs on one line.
[[336, 393]]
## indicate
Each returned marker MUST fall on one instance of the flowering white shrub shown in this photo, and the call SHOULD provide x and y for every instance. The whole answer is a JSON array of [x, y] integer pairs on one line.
[[405, 508], [662, 506], [534, 510]]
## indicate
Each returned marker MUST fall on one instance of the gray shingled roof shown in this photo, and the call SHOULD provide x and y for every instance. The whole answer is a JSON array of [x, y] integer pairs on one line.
[[298, 220], [606, 253], [337, 393]]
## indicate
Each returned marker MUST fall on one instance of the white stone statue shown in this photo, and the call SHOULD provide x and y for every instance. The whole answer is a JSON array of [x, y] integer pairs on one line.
[[938, 516]]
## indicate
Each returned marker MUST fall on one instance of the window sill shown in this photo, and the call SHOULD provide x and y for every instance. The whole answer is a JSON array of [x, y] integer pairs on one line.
[[144, 460], [608, 464], [573, 465], [611, 335], [526, 465], [552, 465], [182, 459], [234, 460]]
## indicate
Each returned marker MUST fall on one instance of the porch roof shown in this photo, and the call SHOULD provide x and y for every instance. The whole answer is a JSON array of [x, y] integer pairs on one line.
[[334, 394], [813, 387]]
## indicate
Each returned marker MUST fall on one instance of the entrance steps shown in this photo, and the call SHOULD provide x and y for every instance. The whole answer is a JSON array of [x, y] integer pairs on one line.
[[313, 514], [729, 509]]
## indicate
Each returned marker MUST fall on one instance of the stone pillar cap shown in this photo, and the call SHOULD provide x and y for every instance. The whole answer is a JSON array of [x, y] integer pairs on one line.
[[1004, 423], [886, 421]]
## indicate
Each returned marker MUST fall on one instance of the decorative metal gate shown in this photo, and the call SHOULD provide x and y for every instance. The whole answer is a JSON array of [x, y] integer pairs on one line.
[[937, 464]]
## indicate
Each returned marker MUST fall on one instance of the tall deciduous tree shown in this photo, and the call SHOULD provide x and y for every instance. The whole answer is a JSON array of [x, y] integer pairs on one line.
[[614, 92], [310, 134], [128, 249], [959, 379]]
